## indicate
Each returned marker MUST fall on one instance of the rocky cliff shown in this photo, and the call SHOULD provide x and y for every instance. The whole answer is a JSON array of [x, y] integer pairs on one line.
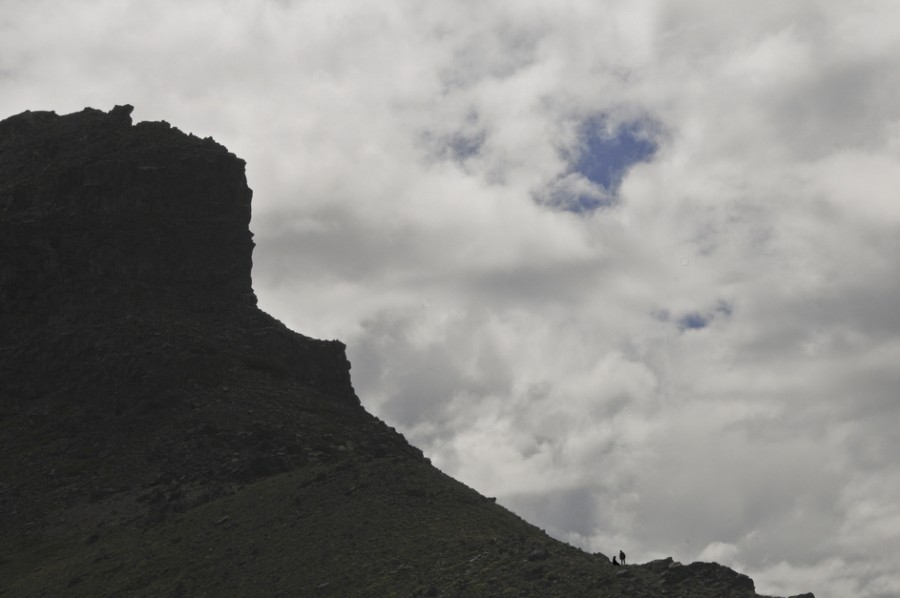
[[163, 437], [103, 221], [93, 204]]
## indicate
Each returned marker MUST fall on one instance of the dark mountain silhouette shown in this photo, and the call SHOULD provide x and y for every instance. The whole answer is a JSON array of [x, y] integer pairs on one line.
[[161, 436]]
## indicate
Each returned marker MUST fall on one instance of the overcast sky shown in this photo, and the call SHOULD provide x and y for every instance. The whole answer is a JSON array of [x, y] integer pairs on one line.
[[629, 266]]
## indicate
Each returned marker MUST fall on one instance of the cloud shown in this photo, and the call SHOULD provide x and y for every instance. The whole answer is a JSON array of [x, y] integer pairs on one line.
[[673, 333]]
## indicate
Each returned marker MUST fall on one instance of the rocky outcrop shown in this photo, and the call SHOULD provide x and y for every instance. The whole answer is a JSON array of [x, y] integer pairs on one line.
[[91, 204], [104, 223]]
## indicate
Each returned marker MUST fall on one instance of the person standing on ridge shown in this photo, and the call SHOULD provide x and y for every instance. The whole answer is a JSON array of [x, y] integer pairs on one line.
[[621, 557]]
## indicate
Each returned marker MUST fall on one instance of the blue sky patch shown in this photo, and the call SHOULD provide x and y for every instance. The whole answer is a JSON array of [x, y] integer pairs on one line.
[[693, 321], [607, 154], [696, 320], [602, 157]]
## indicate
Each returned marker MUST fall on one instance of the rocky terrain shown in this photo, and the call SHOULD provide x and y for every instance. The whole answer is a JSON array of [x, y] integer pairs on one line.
[[161, 436]]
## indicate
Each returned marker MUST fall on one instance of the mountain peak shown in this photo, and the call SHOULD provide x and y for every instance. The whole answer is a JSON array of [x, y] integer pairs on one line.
[[162, 436]]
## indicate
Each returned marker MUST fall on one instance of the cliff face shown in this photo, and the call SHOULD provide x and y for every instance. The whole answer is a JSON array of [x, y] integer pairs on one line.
[[93, 205], [161, 436], [105, 224]]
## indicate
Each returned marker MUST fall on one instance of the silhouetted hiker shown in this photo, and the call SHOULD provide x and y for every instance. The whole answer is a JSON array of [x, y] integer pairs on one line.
[[622, 557], [615, 562]]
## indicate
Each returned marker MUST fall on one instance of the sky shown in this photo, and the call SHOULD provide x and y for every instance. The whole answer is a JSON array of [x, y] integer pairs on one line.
[[629, 266]]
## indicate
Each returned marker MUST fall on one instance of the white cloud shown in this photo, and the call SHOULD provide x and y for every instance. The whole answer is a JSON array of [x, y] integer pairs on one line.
[[398, 152]]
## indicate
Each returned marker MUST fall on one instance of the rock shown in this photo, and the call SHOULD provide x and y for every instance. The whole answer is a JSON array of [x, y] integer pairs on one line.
[[262, 466], [660, 564], [182, 225], [713, 575], [100, 493], [417, 492], [75, 581], [100, 214], [538, 554], [122, 113]]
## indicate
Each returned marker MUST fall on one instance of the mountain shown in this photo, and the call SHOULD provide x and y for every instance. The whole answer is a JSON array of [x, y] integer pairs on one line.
[[161, 436]]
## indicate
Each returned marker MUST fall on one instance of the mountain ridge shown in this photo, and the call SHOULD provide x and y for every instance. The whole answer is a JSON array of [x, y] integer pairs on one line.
[[165, 437]]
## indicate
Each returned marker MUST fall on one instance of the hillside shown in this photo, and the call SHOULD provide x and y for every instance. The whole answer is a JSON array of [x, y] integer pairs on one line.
[[161, 436]]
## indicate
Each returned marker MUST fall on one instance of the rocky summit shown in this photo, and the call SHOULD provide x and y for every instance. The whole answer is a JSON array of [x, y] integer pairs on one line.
[[161, 436]]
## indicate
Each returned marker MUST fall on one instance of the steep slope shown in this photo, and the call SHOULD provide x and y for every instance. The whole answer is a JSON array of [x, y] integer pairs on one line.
[[163, 437]]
